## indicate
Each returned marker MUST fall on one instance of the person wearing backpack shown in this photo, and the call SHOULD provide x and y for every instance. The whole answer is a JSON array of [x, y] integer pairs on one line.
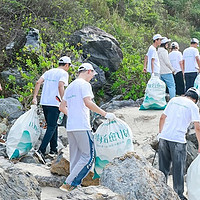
[[76, 104], [173, 124], [53, 82]]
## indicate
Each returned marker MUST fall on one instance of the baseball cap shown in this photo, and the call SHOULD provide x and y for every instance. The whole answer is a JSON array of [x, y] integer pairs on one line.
[[86, 67], [175, 44], [165, 40], [157, 36], [195, 40], [64, 60]]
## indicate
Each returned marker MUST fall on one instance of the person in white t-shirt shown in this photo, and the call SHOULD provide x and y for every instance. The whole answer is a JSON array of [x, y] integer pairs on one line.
[[176, 60], [151, 58], [76, 104], [191, 63], [174, 121], [54, 81]]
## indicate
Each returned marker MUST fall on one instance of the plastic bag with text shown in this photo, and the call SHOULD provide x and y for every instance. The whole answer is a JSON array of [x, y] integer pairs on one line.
[[23, 134], [111, 139], [193, 179], [154, 95], [197, 83]]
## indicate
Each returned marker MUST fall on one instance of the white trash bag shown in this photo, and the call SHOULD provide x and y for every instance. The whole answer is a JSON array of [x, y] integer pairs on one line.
[[193, 179], [154, 95], [197, 83], [111, 139], [23, 134]]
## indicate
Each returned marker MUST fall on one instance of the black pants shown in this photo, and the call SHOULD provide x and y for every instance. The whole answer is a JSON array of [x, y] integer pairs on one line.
[[189, 79], [173, 153], [51, 114], [179, 82]]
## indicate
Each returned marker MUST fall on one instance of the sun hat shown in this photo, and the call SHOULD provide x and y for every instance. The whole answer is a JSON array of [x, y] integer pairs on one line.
[[64, 60], [195, 40], [157, 36], [165, 40], [175, 44], [86, 67]]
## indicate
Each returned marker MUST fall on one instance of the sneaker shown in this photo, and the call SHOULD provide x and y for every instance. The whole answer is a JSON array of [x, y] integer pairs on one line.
[[53, 152], [40, 156], [67, 188]]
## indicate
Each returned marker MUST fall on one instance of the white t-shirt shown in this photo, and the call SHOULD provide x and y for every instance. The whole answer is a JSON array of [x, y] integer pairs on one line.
[[78, 114], [152, 53], [180, 111], [175, 57], [50, 90], [189, 56]]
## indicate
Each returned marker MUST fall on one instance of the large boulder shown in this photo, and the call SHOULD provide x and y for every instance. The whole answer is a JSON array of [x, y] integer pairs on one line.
[[102, 47], [10, 108], [16, 184], [136, 179], [32, 39]]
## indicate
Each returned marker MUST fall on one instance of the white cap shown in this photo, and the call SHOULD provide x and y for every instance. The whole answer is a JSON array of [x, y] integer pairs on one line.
[[64, 60], [195, 40], [165, 40], [157, 36], [175, 44], [86, 66]]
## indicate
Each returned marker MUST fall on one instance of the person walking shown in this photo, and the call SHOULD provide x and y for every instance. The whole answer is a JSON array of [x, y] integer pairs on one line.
[[176, 60], [151, 61], [76, 104], [166, 69], [54, 81], [191, 63], [174, 121]]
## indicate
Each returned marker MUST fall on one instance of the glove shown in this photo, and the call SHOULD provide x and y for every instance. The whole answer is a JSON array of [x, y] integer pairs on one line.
[[110, 116]]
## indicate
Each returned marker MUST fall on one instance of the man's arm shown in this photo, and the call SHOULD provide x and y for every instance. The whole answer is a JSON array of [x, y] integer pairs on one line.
[[0, 87], [92, 106], [36, 90], [181, 65], [161, 122], [145, 63], [61, 89], [63, 107], [197, 130], [198, 61], [152, 64]]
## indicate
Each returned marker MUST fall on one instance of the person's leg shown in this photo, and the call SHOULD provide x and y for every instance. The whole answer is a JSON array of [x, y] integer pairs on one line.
[[74, 152], [164, 157], [51, 114], [81, 169], [179, 82], [169, 80], [178, 154], [189, 79]]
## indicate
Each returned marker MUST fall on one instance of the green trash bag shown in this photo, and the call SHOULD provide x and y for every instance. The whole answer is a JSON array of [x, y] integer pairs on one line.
[[154, 98], [23, 134]]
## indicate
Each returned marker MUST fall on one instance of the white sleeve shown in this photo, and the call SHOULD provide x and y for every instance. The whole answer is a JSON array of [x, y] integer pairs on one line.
[[64, 78], [86, 90], [195, 114], [196, 52], [167, 109], [180, 57]]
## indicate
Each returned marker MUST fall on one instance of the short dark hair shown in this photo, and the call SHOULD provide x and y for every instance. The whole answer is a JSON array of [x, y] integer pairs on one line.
[[192, 94], [193, 43]]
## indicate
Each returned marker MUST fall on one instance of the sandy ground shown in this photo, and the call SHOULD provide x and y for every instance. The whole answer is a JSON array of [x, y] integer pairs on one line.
[[144, 126]]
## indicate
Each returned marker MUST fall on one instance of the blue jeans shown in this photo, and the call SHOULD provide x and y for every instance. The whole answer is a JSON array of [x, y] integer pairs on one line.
[[51, 114], [169, 81], [175, 153]]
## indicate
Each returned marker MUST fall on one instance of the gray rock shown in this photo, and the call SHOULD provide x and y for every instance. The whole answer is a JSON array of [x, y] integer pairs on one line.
[[3, 150], [92, 193], [136, 179], [11, 108], [16, 184], [103, 48], [32, 39]]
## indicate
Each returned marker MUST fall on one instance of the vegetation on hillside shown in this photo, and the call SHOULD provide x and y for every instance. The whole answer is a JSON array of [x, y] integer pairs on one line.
[[132, 22]]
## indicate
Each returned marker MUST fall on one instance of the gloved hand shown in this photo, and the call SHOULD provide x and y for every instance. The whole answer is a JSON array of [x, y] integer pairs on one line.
[[110, 116]]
